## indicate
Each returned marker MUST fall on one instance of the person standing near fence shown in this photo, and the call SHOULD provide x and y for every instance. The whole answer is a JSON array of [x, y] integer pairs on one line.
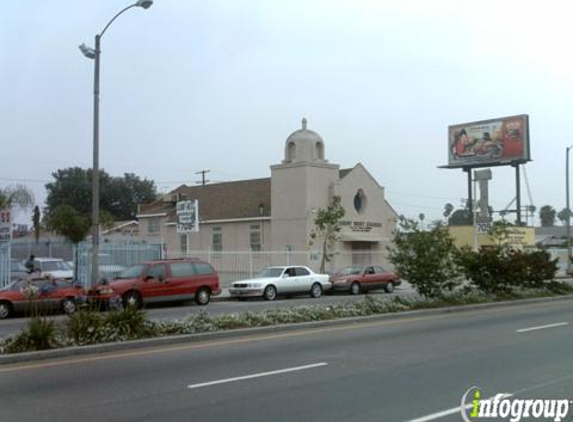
[[30, 265]]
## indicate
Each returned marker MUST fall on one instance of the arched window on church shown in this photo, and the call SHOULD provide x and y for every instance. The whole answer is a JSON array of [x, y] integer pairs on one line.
[[291, 152], [319, 151]]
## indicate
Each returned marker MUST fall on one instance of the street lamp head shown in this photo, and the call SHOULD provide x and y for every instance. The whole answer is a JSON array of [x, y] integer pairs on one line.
[[146, 4], [89, 52]]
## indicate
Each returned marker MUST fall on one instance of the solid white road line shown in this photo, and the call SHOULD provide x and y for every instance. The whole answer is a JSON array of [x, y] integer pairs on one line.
[[261, 374], [541, 327], [448, 412]]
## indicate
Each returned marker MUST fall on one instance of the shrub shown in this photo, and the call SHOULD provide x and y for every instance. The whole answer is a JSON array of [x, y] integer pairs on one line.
[[88, 326], [427, 259], [39, 334], [497, 270], [129, 323], [84, 326]]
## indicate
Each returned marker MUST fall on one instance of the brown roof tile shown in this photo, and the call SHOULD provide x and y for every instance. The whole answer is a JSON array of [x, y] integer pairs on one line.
[[220, 201]]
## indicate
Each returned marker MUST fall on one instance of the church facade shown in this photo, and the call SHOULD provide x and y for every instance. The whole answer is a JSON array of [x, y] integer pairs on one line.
[[277, 213]]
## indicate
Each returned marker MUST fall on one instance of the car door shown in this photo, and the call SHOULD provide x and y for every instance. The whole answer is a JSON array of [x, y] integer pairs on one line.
[[385, 276], [156, 286], [304, 279], [287, 282], [183, 280], [369, 278]]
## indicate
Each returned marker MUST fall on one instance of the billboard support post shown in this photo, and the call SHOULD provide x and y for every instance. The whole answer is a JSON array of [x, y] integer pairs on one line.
[[469, 205], [518, 194]]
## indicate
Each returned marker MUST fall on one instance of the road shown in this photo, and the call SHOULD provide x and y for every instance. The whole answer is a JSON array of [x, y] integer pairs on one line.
[[173, 312], [406, 369]]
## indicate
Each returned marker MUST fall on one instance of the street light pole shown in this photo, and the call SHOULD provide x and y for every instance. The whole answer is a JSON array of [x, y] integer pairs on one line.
[[95, 55], [568, 219]]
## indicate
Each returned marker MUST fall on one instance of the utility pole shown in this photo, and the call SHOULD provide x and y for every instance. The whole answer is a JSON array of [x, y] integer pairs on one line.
[[202, 173]]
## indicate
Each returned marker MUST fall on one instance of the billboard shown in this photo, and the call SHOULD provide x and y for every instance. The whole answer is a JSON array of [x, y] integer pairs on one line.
[[489, 142], [187, 216]]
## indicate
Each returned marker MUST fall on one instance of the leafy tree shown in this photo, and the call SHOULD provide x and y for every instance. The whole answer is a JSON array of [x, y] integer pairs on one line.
[[426, 259], [36, 223], [70, 223], [327, 227], [547, 216], [119, 196], [448, 208], [461, 217], [16, 196], [563, 215]]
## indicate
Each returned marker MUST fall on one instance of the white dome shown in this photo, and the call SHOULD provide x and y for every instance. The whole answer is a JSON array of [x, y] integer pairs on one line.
[[304, 145]]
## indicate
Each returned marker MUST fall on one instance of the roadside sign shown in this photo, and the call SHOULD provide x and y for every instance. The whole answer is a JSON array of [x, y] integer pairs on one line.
[[5, 225], [188, 216], [483, 228]]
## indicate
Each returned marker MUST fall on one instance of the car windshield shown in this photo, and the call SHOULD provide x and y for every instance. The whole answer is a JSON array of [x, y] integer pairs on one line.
[[270, 272], [132, 272], [351, 270], [55, 266]]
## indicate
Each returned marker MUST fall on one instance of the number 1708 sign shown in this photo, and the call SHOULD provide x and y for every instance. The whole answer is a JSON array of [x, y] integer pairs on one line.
[[187, 216]]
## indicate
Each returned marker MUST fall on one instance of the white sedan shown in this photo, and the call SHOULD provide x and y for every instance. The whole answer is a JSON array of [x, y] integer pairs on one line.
[[273, 281]]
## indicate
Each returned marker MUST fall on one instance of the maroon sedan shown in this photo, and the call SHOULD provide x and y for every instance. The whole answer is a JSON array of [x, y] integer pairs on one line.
[[358, 278], [39, 295]]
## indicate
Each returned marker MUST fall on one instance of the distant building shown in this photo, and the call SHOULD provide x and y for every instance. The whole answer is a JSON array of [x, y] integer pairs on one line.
[[121, 231], [277, 213]]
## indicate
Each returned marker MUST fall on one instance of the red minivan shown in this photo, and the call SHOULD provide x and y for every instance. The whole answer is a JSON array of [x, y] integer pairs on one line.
[[166, 280]]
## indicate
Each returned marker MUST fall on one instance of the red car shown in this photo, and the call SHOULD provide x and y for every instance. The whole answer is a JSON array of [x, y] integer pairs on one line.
[[39, 295], [357, 279], [160, 281]]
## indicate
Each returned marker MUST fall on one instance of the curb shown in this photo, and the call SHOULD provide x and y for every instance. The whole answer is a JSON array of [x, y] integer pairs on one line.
[[240, 332]]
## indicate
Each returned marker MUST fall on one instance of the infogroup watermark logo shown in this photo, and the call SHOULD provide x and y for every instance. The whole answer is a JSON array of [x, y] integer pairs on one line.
[[475, 408]]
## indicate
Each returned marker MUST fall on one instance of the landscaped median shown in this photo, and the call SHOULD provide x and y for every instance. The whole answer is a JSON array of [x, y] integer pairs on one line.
[[87, 327]]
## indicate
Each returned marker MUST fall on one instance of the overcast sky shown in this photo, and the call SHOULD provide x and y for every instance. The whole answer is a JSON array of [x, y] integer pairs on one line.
[[219, 85]]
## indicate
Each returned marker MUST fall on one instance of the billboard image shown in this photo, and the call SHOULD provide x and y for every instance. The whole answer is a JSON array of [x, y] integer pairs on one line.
[[489, 142]]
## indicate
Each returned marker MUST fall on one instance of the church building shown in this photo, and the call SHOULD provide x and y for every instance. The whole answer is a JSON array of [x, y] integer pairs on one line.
[[277, 213]]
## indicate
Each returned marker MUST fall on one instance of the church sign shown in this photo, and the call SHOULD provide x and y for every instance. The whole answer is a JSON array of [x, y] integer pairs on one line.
[[360, 226]]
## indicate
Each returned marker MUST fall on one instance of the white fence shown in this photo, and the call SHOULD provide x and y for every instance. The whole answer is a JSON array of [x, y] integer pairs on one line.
[[231, 265], [4, 263]]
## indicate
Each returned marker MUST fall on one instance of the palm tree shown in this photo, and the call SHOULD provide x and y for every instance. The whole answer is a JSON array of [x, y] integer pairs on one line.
[[16, 196]]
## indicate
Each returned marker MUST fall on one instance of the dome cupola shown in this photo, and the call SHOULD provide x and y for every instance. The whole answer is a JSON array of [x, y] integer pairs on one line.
[[304, 145]]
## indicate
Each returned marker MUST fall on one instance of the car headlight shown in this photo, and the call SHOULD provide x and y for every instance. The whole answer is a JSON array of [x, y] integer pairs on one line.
[[256, 285]]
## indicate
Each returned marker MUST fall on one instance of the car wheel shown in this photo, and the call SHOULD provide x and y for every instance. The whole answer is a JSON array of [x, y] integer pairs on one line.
[[5, 310], [355, 288], [316, 290], [69, 306], [270, 293], [389, 287], [203, 296], [132, 299]]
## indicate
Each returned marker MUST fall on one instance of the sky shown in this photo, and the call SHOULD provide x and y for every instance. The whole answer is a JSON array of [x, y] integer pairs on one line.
[[220, 84]]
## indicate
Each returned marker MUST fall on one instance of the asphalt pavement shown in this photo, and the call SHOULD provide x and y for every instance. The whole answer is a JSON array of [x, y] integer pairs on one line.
[[411, 368]]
